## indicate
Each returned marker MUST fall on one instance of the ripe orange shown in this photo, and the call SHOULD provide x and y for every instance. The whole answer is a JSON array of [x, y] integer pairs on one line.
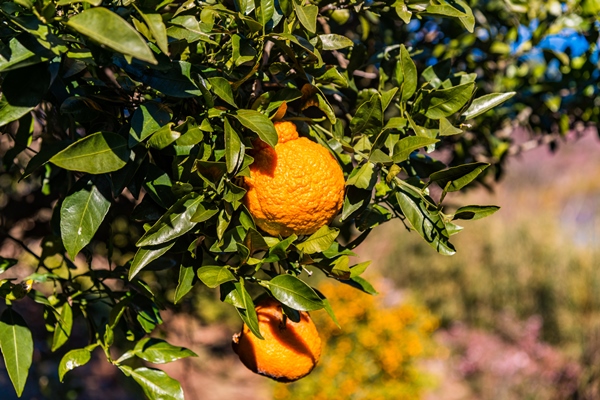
[[295, 188], [289, 351]]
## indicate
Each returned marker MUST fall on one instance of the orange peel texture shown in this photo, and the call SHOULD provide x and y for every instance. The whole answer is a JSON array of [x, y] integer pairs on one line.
[[296, 187], [290, 350]]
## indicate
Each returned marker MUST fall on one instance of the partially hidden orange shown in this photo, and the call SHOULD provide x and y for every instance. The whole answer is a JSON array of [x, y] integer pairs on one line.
[[289, 351], [296, 187]]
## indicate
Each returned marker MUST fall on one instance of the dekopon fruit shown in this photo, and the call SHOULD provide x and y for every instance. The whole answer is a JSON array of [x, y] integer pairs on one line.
[[295, 188], [289, 350]]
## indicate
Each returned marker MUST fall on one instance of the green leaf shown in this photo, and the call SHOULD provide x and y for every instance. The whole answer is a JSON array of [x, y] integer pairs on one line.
[[332, 41], [445, 102], [405, 146], [368, 119], [145, 255], [164, 137], [73, 359], [362, 178], [475, 212], [402, 11], [444, 9], [294, 293], [307, 15], [109, 29], [265, 11], [237, 295], [259, 124], [406, 74], [174, 223], [184, 283], [97, 153], [361, 283], [455, 178], [156, 384], [447, 129], [82, 212], [484, 103], [469, 20], [234, 148], [10, 113], [319, 241], [425, 220], [16, 344], [20, 55], [147, 119], [157, 27], [62, 332], [222, 88], [213, 276], [158, 351], [204, 212]]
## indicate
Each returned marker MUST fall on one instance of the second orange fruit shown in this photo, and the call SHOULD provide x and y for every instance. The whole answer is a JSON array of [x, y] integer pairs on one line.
[[296, 187], [289, 351]]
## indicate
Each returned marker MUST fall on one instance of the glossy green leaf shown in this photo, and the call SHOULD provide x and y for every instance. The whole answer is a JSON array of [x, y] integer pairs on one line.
[[259, 124], [368, 119], [319, 241], [97, 153], [156, 384], [82, 212], [363, 177], [445, 102], [174, 223], [475, 212], [424, 219], [405, 146], [469, 20], [20, 55], [62, 332], [213, 276], [157, 27], [447, 129], [222, 88], [484, 103], [265, 11], [184, 283], [234, 148], [294, 293], [332, 41], [16, 344], [361, 283], [110, 30], [237, 295], [158, 351], [163, 137], [147, 119], [307, 15], [406, 74], [145, 255], [455, 178], [445, 10], [73, 359]]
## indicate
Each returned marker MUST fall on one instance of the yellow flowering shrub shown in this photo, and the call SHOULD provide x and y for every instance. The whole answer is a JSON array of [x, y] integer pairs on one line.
[[374, 355]]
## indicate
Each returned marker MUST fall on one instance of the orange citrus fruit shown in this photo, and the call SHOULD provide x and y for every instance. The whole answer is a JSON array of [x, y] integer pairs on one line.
[[289, 351], [296, 187]]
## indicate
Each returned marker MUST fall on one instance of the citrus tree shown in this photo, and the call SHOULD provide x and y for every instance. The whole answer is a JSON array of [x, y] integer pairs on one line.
[[159, 129]]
